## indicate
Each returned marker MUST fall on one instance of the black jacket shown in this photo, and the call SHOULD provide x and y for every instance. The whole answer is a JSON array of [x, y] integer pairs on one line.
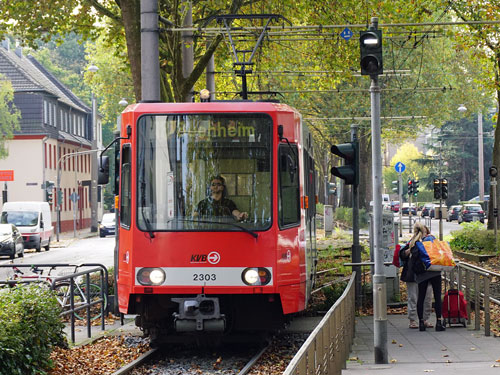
[[407, 273]]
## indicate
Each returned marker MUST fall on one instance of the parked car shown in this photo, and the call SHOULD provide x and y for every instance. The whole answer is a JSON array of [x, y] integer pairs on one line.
[[471, 212], [395, 206], [476, 198], [107, 225], [453, 212], [428, 210], [11, 241], [406, 209]]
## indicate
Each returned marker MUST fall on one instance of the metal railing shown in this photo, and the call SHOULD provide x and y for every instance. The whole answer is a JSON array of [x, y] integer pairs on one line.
[[475, 283], [55, 281], [327, 348]]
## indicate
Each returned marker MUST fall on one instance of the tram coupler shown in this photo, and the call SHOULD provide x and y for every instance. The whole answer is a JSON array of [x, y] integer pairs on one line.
[[198, 313]]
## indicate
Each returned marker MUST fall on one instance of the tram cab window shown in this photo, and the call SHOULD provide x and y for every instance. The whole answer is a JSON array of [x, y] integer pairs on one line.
[[126, 194], [178, 155], [289, 198]]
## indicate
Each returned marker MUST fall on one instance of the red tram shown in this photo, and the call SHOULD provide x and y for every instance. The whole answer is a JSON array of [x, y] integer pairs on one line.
[[181, 270]]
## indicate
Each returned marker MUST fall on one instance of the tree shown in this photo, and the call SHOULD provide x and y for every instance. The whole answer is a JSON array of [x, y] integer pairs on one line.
[[119, 22], [9, 115]]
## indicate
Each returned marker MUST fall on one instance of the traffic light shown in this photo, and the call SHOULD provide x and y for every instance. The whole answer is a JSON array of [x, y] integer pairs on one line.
[[371, 52], [350, 170], [49, 191], [396, 187], [59, 197], [444, 188], [437, 188], [415, 187], [331, 188], [410, 187]]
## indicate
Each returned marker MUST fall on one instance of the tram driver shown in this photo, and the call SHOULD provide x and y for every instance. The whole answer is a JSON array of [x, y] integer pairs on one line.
[[217, 204]]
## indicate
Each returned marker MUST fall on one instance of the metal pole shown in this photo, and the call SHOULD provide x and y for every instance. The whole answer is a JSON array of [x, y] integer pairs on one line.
[[495, 211], [409, 212], [93, 171], [400, 193], [150, 65], [440, 219], [379, 285], [480, 155], [58, 168], [187, 47], [356, 248]]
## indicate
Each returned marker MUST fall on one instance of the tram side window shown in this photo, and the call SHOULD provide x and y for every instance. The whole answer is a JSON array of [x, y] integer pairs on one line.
[[126, 194], [289, 199]]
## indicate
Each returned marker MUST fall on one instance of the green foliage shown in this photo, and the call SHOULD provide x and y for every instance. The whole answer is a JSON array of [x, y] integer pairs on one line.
[[9, 115], [332, 293], [474, 238], [344, 215], [29, 327]]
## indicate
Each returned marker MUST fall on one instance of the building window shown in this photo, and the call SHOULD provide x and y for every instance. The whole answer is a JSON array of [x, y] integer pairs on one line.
[[45, 112]]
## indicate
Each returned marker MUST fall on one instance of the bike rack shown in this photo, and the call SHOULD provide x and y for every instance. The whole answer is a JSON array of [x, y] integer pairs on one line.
[[71, 277]]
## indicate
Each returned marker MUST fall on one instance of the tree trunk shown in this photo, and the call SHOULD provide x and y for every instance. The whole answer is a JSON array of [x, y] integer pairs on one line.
[[496, 158], [131, 15]]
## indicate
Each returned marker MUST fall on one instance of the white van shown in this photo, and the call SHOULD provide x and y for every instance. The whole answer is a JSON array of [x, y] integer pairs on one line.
[[33, 220]]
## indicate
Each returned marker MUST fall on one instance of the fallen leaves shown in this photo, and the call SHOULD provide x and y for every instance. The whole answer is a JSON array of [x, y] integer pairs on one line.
[[102, 357]]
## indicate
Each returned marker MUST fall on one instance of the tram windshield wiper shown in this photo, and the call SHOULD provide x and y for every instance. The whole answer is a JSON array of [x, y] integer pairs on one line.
[[250, 232]]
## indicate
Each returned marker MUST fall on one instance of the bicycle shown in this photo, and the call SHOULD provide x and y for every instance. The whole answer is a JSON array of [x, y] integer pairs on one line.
[[62, 291]]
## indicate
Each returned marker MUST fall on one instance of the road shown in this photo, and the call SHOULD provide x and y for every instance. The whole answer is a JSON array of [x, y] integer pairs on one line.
[[448, 227], [88, 250]]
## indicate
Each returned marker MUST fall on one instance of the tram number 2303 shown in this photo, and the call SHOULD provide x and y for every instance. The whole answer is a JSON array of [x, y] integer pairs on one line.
[[204, 277]]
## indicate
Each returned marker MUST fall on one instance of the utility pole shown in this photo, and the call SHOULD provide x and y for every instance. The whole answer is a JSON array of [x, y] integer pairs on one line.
[[480, 155], [371, 64], [150, 66]]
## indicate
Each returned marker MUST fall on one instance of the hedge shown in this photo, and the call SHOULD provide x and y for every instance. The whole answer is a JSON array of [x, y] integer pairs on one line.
[[30, 327]]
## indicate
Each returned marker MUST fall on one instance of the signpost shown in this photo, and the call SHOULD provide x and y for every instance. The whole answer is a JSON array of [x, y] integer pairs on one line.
[[400, 168], [74, 197]]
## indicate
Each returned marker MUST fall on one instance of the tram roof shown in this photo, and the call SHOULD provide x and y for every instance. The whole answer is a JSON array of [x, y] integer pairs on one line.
[[210, 107]]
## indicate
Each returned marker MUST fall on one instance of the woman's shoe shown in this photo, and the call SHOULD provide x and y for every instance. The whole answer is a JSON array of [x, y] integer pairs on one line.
[[439, 326], [421, 325], [413, 324]]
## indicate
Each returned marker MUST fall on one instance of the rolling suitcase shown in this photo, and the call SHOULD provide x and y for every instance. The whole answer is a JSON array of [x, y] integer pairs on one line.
[[454, 308]]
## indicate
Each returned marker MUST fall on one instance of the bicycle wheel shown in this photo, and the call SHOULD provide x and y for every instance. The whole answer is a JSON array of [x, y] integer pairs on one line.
[[95, 295], [62, 291]]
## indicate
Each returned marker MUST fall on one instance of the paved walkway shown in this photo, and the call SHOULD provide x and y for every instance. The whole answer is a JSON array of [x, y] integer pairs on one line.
[[67, 238], [456, 351]]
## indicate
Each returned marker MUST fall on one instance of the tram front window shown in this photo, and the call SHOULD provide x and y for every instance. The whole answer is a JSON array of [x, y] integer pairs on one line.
[[178, 158]]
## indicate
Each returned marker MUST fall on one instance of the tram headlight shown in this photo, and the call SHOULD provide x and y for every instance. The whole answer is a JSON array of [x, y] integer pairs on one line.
[[151, 276], [256, 276]]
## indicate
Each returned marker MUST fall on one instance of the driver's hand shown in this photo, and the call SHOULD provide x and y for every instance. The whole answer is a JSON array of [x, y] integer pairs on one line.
[[242, 216]]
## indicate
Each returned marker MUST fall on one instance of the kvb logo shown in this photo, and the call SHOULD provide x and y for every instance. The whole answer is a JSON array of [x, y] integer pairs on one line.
[[212, 258]]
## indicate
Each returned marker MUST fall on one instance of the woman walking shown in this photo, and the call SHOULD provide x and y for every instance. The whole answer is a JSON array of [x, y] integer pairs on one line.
[[424, 277]]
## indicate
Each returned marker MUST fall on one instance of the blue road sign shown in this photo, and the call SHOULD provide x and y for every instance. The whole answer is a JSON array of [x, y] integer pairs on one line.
[[74, 197], [346, 33], [400, 167]]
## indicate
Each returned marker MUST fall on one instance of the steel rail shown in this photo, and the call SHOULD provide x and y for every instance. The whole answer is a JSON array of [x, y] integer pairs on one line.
[[246, 369]]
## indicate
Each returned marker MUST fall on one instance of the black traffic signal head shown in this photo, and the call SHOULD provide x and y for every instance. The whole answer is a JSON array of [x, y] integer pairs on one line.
[[493, 171], [370, 43], [415, 187], [410, 187], [437, 188], [444, 188], [49, 195], [349, 171]]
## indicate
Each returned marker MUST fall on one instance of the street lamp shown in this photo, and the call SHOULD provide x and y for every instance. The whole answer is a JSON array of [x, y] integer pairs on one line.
[[123, 102], [480, 153], [58, 184], [93, 175]]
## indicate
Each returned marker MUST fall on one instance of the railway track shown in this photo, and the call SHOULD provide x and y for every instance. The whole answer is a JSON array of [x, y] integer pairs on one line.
[[241, 359]]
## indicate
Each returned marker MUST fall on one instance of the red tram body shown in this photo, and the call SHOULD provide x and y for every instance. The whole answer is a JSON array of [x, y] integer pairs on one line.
[[180, 272]]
